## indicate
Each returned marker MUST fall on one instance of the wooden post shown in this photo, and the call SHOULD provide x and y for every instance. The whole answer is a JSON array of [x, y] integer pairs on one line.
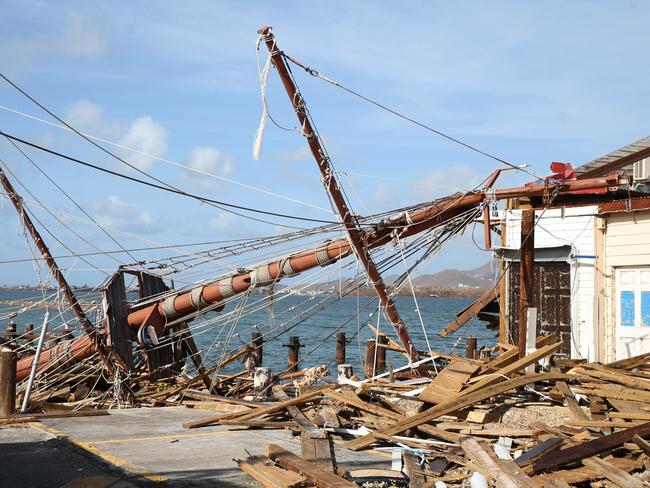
[[257, 339], [294, 352], [29, 332], [381, 354], [7, 382], [340, 347], [526, 276], [11, 331], [371, 347], [470, 350]]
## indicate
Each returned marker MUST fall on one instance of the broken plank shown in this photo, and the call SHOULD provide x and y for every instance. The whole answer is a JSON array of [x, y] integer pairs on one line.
[[475, 452], [314, 474], [265, 472], [518, 365], [612, 473], [570, 400], [548, 445], [643, 444], [590, 448], [256, 412], [449, 381], [455, 404], [583, 473]]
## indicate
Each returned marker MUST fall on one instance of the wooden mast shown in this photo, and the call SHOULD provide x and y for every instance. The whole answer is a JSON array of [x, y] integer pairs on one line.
[[87, 326], [331, 185]]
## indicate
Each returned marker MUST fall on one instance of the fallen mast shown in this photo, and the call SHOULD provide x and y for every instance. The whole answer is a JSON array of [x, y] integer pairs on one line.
[[150, 322]]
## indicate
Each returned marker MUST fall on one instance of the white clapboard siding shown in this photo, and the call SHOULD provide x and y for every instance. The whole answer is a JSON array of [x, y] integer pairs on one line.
[[572, 226], [626, 244]]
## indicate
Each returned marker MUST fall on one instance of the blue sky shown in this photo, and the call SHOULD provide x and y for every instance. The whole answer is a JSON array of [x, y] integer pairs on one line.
[[531, 82]]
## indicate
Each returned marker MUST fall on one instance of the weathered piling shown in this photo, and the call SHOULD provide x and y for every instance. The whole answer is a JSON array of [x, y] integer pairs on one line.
[[29, 332], [382, 340], [470, 350], [257, 341], [294, 353], [7, 382], [371, 348], [340, 347], [11, 331]]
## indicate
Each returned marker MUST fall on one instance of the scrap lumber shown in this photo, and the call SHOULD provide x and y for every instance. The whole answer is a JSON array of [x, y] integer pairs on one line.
[[590, 448], [464, 316], [583, 473], [570, 400], [314, 474], [449, 381], [546, 446], [456, 404], [478, 455], [631, 363], [518, 365], [265, 472], [642, 443], [612, 473], [256, 412]]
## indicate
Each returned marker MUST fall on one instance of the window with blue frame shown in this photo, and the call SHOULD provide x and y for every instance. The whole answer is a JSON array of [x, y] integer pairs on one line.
[[634, 297]]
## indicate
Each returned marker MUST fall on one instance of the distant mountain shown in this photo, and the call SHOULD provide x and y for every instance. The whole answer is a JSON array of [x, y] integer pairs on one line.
[[446, 282], [481, 277]]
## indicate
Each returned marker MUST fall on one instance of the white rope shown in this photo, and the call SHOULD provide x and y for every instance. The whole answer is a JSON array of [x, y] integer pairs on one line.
[[264, 75]]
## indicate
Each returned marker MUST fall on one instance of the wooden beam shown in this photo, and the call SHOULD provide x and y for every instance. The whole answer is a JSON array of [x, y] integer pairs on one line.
[[590, 448], [570, 400], [526, 276], [455, 404], [256, 412], [314, 474], [612, 473], [265, 472], [463, 317]]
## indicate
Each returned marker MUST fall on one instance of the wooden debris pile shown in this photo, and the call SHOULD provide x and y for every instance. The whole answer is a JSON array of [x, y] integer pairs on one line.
[[507, 422]]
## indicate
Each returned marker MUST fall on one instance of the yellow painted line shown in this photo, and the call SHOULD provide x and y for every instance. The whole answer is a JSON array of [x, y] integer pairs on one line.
[[143, 439], [87, 446]]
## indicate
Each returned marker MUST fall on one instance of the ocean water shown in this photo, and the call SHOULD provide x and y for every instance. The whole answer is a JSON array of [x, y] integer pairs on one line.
[[306, 317]]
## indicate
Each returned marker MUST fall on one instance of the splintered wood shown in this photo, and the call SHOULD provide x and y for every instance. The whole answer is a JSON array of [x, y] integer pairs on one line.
[[562, 424]]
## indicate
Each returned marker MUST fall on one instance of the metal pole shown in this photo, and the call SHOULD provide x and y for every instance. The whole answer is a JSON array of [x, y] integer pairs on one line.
[[332, 186], [32, 374], [526, 276]]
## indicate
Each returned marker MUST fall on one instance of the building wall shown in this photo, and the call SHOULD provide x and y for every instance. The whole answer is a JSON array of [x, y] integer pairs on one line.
[[626, 242], [573, 226]]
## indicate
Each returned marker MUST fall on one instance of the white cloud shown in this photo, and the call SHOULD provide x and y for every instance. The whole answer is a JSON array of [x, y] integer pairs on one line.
[[207, 161], [118, 214], [89, 117], [80, 38], [147, 136]]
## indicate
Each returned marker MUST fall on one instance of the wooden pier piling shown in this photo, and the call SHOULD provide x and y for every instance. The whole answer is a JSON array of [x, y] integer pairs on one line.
[[340, 347], [294, 353], [371, 347], [382, 340], [7, 382], [470, 350], [257, 341]]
